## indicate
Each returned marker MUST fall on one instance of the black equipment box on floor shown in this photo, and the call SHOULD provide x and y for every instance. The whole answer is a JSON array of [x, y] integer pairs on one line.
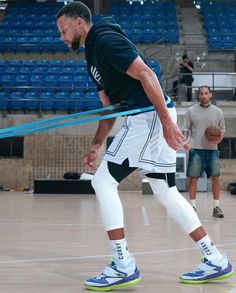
[[63, 186]]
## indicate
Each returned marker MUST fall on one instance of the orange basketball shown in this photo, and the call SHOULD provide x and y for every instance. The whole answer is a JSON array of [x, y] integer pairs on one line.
[[212, 133]]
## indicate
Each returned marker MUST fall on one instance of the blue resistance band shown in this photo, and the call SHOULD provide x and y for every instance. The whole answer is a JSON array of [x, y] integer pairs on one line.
[[59, 118], [22, 129]]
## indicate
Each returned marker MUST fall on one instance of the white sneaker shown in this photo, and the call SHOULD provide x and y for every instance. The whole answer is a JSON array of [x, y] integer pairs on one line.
[[209, 271], [113, 277]]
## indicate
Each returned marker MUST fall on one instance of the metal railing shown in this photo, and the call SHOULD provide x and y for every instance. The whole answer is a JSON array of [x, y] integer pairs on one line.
[[211, 79]]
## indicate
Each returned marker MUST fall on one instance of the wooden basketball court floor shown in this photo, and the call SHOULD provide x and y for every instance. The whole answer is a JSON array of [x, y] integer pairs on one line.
[[51, 243]]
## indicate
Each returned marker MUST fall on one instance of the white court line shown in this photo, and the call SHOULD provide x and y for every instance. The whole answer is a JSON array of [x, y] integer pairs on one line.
[[50, 224], [101, 256], [145, 216], [71, 224]]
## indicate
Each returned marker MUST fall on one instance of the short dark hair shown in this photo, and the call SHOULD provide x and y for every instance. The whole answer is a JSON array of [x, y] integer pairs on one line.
[[204, 86], [74, 10], [185, 56]]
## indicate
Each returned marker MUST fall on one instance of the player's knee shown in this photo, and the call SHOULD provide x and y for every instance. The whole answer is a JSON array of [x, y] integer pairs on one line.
[[102, 180], [95, 181]]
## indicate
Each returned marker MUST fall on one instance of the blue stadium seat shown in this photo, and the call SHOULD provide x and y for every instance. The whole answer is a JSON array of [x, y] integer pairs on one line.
[[47, 44], [32, 102], [23, 80], [59, 46], [62, 100], [58, 63], [80, 81], [40, 70], [51, 81], [47, 100], [2, 45], [66, 81], [24, 69], [68, 69], [8, 80], [3, 66], [3, 103], [9, 44], [156, 67], [54, 69], [12, 69], [34, 44], [53, 32], [82, 63], [148, 35], [135, 35], [71, 63], [22, 44], [16, 101], [77, 103], [36, 81], [92, 100], [29, 62], [38, 32], [12, 32], [43, 62], [17, 63], [81, 70]]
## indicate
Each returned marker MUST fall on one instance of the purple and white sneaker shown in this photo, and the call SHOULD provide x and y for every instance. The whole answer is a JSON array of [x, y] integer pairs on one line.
[[209, 271], [114, 277]]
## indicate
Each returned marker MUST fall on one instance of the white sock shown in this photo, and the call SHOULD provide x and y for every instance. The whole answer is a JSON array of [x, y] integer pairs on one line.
[[193, 202], [216, 203], [208, 249], [120, 252]]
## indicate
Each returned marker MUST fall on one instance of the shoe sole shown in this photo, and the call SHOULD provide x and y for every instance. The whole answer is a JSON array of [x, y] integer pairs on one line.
[[225, 276], [112, 287]]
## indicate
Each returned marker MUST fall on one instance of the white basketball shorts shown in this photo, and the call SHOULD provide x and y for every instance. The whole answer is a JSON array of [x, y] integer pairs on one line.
[[141, 141]]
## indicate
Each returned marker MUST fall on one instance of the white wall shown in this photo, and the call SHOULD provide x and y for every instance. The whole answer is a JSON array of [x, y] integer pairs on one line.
[[219, 80]]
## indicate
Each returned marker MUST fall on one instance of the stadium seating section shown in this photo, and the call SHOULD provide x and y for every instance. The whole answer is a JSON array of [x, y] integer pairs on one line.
[[154, 21], [148, 23], [220, 24], [65, 85], [49, 85], [22, 30]]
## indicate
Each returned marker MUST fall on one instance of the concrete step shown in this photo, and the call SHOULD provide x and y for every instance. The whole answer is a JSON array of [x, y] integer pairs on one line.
[[198, 30]]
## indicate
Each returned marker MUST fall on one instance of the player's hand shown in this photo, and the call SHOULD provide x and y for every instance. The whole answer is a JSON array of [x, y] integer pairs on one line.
[[174, 137], [186, 145], [89, 160]]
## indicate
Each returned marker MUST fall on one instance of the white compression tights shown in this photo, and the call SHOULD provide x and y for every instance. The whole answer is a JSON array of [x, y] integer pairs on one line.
[[105, 187], [177, 206]]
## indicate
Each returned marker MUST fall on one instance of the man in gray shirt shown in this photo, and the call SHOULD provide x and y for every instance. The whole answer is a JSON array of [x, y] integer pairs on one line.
[[204, 155]]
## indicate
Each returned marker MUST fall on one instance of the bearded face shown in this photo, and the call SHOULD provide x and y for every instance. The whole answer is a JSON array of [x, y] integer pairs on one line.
[[70, 29], [75, 44]]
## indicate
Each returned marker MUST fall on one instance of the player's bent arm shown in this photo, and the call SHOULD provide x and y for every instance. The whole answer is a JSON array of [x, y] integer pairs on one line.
[[140, 71], [104, 126]]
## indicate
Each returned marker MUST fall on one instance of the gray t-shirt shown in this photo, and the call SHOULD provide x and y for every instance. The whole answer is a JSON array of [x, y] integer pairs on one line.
[[197, 119]]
